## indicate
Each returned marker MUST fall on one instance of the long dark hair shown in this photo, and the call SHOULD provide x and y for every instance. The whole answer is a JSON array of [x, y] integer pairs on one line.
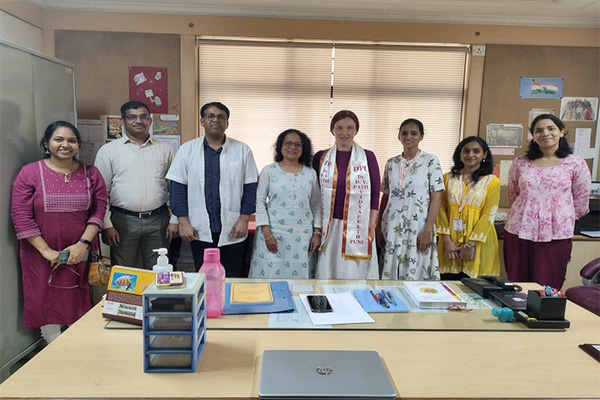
[[50, 131], [305, 157], [534, 152], [486, 166]]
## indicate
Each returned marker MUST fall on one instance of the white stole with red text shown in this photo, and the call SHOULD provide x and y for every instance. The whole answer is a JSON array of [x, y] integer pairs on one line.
[[356, 243]]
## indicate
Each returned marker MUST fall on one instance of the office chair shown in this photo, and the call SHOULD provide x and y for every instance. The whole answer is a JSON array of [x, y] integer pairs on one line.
[[588, 295]]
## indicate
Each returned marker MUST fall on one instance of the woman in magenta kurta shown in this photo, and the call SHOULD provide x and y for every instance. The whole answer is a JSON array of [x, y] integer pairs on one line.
[[548, 189], [58, 204]]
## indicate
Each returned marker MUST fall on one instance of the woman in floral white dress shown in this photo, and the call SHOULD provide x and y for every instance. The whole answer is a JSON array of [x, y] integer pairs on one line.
[[468, 244], [548, 189], [288, 212], [412, 189]]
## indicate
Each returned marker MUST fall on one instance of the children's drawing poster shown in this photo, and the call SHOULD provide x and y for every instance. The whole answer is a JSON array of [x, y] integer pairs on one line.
[[149, 85]]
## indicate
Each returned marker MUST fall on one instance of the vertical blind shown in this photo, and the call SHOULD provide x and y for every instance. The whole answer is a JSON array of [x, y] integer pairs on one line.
[[272, 86]]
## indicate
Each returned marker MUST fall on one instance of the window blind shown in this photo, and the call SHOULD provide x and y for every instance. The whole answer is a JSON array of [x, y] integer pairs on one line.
[[272, 86]]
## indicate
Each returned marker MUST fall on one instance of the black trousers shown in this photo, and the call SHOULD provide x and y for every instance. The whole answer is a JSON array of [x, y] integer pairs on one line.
[[232, 256]]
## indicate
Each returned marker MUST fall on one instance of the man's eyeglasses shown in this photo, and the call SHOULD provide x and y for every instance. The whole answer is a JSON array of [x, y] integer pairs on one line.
[[289, 144], [133, 117], [52, 274], [220, 117]]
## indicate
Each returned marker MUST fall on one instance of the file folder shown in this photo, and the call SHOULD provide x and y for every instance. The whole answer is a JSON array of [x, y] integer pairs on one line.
[[283, 301]]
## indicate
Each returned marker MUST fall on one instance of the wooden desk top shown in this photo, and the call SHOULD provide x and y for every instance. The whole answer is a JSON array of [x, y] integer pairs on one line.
[[89, 361]]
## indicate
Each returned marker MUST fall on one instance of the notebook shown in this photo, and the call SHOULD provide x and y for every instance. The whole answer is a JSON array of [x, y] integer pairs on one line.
[[312, 374]]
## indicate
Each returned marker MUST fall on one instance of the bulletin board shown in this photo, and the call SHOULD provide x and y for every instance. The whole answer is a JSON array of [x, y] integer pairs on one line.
[[501, 104]]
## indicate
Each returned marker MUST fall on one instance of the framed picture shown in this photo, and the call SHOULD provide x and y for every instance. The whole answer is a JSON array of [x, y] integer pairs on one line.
[[504, 135], [113, 127], [579, 108]]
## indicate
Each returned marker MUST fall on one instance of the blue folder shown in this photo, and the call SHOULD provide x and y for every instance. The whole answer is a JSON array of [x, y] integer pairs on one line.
[[282, 301], [369, 304]]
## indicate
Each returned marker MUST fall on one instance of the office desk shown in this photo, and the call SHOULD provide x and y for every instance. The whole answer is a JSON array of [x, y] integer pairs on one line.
[[88, 361], [475, 320]]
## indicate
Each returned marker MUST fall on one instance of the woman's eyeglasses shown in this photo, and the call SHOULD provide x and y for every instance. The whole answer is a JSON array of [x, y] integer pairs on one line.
[[52, 274], [289, 144]]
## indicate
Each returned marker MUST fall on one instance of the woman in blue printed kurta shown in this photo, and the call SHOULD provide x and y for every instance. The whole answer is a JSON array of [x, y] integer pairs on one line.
[[288, 211]]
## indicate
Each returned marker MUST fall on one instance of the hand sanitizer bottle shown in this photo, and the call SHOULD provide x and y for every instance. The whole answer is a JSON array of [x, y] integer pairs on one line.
[[215, 282], [162, 264]]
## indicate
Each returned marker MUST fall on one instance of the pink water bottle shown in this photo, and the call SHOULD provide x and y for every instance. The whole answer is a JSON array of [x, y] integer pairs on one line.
[[215, 282]]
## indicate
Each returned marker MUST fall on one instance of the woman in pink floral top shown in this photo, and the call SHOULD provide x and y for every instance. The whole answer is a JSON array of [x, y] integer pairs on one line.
[[548, 189]]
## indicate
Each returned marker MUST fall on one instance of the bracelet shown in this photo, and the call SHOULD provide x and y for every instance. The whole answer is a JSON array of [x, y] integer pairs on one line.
[[269, 238], [316, 232], [87, 242], [468, 246]]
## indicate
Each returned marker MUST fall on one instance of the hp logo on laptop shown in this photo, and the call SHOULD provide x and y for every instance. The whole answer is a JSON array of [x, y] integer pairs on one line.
[[324, 370]]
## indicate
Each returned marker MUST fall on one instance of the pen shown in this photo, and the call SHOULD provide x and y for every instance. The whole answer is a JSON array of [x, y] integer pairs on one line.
[[382, 301], [388, 294], [375, 297]]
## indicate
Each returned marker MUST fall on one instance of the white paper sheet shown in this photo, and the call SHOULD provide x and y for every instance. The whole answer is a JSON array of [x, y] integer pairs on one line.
[[346, 310]]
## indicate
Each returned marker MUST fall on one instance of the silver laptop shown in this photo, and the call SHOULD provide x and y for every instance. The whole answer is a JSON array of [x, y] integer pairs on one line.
[[308, 374]]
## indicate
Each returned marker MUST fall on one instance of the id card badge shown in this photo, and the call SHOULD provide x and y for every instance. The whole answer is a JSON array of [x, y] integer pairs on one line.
[[458, 225], [399, 204]]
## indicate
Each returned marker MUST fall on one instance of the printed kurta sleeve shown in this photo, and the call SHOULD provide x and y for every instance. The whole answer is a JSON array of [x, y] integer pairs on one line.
[[262, 191], [99, 197], [23, 216], [488, 212], [315, 201], [513, 182], [441, 222], [581, 186], [436, 178]]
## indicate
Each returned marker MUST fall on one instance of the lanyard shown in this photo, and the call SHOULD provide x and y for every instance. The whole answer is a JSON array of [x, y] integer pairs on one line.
[[411, 166], [462, 199]]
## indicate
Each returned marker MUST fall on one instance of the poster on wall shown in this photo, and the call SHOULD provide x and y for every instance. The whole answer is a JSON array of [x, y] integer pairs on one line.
[[541, 88], [149, 85], [504, 135], [579, 108]]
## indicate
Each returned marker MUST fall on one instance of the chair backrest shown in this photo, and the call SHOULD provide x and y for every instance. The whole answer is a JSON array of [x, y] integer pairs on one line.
[[591, 272]]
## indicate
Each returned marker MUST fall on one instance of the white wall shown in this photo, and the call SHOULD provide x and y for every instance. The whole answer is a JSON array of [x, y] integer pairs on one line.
[[20, 32]]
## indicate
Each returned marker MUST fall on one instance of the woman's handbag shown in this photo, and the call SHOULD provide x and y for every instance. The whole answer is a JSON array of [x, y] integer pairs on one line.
[[99, 269]]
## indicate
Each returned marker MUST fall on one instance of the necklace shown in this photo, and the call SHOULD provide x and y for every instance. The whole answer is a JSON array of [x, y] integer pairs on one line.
[[66, 175]]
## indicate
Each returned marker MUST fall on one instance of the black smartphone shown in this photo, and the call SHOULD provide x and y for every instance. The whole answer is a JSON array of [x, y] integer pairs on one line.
[[319, 303], [63, 256]]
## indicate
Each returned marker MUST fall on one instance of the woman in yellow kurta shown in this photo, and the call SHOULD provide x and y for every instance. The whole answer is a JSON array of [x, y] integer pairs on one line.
[[468, 242]]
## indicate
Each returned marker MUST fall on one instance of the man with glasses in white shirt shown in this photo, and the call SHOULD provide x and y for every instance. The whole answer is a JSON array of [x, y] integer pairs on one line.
[[213, 191], [134, 168]]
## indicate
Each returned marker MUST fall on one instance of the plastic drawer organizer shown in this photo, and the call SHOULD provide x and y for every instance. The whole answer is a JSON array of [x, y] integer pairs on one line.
[[175, 326]]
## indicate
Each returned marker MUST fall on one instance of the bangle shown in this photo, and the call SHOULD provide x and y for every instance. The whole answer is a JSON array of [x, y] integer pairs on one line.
[[269, 238], [316, 232], [468, 246], [87, 242]]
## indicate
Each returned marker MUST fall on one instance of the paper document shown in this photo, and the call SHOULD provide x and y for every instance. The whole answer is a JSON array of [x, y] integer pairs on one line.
[[251, 293], [346, 310]]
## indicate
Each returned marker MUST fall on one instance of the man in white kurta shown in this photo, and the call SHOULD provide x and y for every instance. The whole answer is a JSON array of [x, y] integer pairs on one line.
[[213, 191]]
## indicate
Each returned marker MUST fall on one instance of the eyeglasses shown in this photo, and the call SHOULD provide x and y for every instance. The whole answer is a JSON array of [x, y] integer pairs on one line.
[[220, 117], [64, 287], [289, 144], [133, 117]]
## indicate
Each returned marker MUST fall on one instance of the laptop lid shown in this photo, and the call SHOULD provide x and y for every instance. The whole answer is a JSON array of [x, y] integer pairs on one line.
[[308, 374]]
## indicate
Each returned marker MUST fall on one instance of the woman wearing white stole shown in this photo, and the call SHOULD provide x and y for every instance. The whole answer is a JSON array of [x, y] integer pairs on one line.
[[350, 183]]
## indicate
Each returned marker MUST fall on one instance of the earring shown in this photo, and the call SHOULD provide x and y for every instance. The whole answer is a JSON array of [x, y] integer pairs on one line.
[[47, 151]]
